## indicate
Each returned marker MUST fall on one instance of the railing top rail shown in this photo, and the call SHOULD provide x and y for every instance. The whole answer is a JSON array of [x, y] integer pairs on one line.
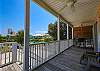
[[9, 43], [38, 43], [46, 42]]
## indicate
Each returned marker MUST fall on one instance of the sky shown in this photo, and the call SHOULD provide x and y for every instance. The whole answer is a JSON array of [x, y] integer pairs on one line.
[[12, 16]]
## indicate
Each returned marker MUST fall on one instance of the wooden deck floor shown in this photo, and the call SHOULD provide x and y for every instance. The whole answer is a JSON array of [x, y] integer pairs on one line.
[[12, 67], [69, 60]]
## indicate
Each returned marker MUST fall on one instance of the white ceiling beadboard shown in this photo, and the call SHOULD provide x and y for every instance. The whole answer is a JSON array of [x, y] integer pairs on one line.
[[84, 12]]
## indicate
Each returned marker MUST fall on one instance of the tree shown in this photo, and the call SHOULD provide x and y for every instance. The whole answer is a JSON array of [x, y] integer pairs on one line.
[[2, 38], [52, 30], [63, 31], [48, 39], [20, 37]]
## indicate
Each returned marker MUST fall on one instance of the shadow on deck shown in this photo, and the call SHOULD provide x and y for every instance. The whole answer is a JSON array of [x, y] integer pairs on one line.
[[69, 60]]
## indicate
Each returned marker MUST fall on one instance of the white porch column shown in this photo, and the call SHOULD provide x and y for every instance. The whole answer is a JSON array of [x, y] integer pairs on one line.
[[67, 31], [95, 36], [26, 36], [58, 29], [58, 33], [72, 32], [98, 35]]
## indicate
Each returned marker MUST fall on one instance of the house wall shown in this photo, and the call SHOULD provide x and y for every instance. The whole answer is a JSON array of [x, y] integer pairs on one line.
[[83, 32]]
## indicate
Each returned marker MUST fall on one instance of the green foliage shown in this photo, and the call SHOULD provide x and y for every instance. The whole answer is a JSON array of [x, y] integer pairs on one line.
[[45, 38], [48, 39], [4, 49], [36, 40], [52, 30], [2, 39], [20, 37]]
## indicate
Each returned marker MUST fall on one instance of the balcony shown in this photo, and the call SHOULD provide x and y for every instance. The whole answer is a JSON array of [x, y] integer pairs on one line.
[[68, 60], [60, 55], [47, 57], [12, 58]]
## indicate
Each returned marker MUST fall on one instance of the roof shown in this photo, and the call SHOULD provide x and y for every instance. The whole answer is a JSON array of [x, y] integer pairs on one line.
[[83, 12]]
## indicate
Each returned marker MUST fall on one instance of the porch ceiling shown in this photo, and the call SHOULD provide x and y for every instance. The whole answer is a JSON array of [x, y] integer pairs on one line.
[[84, 11]]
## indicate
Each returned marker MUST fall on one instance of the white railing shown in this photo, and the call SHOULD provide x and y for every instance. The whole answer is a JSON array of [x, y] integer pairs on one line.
[[10, 52], [39, 53]]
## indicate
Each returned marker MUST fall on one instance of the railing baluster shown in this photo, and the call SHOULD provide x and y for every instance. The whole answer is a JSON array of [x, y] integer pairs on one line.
[[55, 47], [42, 53], [9, 54], [39, 53], [45, 51], [48, 51], [30, 57], [35, 56], [19, 53], [5, 54], [0, 55]]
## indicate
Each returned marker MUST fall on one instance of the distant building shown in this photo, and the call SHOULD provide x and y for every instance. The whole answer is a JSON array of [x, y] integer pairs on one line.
[[11, 32], [11, 35]]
